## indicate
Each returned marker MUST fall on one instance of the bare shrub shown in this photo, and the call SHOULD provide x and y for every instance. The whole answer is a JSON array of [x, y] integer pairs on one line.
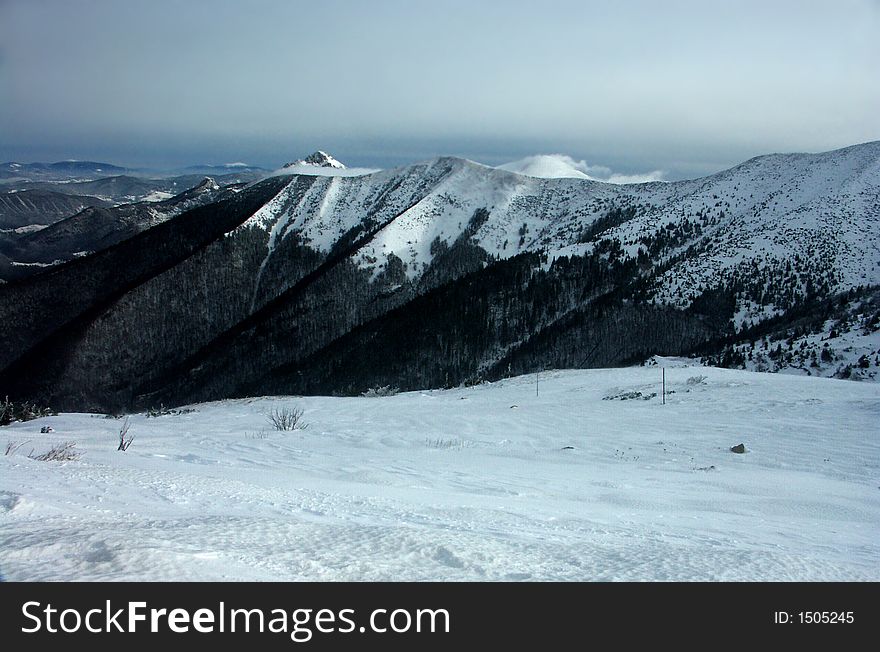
[[287, 419], [64, 452], [377, 392], [262, 434], [628, 396], [442, 443], [125, 439], [163, 411], [13, 446]]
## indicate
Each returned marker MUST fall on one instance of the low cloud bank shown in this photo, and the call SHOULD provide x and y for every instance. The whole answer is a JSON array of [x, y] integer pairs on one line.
[[554, 166]]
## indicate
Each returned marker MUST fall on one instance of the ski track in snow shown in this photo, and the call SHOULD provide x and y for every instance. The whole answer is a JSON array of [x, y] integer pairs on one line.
[[466, 484]]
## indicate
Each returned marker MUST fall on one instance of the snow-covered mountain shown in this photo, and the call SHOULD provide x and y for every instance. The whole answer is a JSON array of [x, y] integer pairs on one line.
[[317, 159], [804, 216], [324, 165], [448, 271]]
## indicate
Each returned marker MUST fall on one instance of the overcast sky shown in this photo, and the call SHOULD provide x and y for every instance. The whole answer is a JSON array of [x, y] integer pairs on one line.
[[684, 87]]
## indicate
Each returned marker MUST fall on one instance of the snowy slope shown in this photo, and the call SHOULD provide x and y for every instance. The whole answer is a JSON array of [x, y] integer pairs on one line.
[[587, 481], [433, 199], [822, 208], [847, 346]]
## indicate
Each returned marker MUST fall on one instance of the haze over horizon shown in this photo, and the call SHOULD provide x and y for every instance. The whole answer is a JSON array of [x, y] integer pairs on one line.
[[632, 87]]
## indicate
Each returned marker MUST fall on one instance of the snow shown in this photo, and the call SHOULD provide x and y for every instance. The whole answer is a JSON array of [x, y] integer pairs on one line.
[[841, 349], [473, 483], [157, 195], [16, 263], [28, 228]]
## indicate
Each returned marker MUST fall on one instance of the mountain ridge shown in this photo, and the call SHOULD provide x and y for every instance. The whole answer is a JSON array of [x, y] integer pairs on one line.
[[518, 272]]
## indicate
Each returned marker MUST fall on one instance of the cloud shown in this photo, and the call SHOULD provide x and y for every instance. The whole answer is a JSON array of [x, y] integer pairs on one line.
[[554, 166]]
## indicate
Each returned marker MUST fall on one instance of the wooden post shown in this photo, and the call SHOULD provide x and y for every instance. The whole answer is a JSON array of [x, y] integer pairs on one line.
[[537, 374], [663, 372]]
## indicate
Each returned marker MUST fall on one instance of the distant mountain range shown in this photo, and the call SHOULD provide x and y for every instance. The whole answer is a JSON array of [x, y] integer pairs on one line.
[[96, 228], [37, 198], [58, 171], [91, 170], [446, 272], [225, 169]]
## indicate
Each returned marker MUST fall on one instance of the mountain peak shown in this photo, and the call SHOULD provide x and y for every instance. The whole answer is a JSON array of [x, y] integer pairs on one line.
[[206, 184], [318, 159]]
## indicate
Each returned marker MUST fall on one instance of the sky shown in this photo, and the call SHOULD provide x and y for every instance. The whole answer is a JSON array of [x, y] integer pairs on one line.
[[683, 88]]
